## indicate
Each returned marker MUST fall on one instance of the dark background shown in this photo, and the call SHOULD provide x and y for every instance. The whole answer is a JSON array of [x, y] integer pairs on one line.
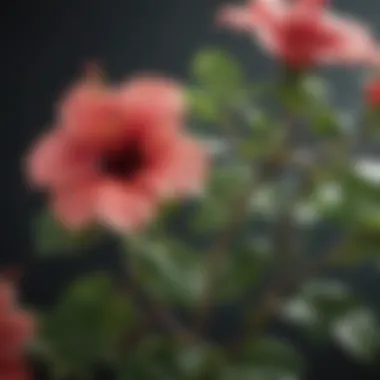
[[44, 44]]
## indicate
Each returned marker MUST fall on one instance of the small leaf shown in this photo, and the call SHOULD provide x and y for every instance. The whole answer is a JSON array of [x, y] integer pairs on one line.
[[212, 212], [274, 353], [324, 201], [316, 89], [51, 237], [87, 325], [152, 358], [304, 94], [170, 270], [212, 216], [325, 122], [358, 333], [200, 361], [218, 72], [203, 105], [368, 170], [318, 306], [257, 373], [267, 359], [243, 268]]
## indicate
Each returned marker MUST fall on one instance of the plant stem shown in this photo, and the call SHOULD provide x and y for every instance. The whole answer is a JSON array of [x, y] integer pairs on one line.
[[284, 230], [218, 254], [158, 311], [273, 300]]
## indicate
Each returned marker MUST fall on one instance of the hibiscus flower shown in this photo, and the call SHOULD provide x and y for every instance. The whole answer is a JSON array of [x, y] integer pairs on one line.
[[115, 152], [302, 33], [16, 328]]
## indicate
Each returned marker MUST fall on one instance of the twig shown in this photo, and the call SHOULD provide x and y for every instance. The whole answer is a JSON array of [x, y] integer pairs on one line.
[[158, 311], [132, 338], [217, 255], [273, 300], [284, 229]]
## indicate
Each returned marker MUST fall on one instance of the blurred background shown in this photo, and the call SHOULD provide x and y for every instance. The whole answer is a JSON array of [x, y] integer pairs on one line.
[[44, 45]]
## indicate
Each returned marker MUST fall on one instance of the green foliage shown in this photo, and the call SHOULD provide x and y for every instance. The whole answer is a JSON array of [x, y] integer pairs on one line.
[[201, 361], [243, 268], [272, 352], [219, 81], [87, 325], [157, 358], [324, 200], [203, 105], [318, 305], [325, 122], [170, 270], [328, 309], [52, 238], [358, 333], [217, 71], [266, 138], [152, 358], [359, 213], [267, 359], [303, 93], [212, 212]]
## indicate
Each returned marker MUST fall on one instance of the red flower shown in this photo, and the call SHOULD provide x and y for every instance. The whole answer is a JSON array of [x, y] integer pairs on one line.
[[302, 33], [16, 328], [115, 152]]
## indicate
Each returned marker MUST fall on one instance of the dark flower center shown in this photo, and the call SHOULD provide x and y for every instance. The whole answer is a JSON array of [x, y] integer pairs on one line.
[[123, 162]]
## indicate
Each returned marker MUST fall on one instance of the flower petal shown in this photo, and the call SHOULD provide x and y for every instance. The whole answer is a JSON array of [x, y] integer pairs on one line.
[[182, 171], [55, 161], [124, 208], [150, 99], [354, 41], [75, 207], [89, 112], [7, 296]]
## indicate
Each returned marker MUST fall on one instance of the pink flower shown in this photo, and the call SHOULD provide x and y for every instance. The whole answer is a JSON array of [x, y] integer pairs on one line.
[[302, 33], [16, 328], [115, 152]]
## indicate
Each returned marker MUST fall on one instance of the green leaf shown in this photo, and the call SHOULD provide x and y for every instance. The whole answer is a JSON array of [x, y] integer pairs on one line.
[[325, 200], [170, 270], [304, 94], [316, 89], [368, 172], [203, 105], [87, 325], [266, 138], [273, 352], [152, 358], [265, 200], [200, 361], [52, 238], [360, 214], [325, 122], [212, 212], [227, 181], [218, 72], [358, 333], [156, 357], [318, 306], [243, 268], [211, 216], [257, 373], [267, 359]]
